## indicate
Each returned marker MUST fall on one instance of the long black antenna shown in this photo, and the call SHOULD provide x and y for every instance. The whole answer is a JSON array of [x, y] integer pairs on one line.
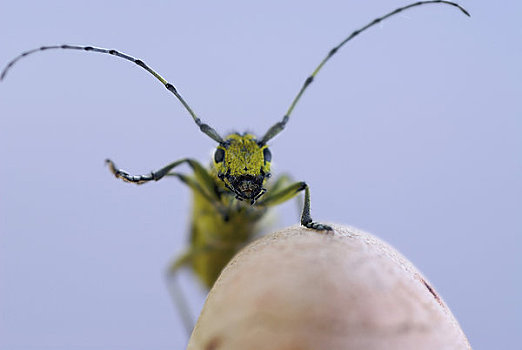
[[205, 128], [279, 126]]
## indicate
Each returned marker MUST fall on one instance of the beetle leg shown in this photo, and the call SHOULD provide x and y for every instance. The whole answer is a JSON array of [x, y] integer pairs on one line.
[[195, 186], [201, 174], [281, 181], [174, 288], [176, 293], [289, 192]]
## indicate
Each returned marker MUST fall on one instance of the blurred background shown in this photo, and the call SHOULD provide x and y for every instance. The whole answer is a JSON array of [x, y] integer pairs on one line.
[[412, 132]]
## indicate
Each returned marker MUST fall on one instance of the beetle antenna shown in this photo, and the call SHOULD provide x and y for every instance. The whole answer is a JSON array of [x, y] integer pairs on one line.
[[205, 128], [279, 126]]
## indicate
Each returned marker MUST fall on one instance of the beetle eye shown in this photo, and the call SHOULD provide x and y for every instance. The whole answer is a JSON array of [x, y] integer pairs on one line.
[[267, 155], [219, 155]]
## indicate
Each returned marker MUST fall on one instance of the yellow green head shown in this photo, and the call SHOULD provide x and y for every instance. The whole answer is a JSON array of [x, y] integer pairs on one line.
[[243, 164]]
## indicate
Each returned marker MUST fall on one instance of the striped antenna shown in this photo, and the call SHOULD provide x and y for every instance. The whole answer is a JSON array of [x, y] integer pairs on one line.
[[205, 128], [279, 126]]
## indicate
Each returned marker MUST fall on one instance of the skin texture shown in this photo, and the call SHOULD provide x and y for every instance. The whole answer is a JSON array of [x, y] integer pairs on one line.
[[301, 289]]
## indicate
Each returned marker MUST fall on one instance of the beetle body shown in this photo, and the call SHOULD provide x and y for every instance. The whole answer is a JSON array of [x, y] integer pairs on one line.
[[217, 239], [240, 169]]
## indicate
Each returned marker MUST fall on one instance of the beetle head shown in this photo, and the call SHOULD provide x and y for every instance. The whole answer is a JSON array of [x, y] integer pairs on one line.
[[243, 165]]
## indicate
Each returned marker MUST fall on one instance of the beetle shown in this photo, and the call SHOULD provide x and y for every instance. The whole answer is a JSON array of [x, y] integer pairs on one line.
[[233, 193]]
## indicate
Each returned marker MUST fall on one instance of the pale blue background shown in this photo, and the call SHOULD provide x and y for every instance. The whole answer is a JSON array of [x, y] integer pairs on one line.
[[413, 132]]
